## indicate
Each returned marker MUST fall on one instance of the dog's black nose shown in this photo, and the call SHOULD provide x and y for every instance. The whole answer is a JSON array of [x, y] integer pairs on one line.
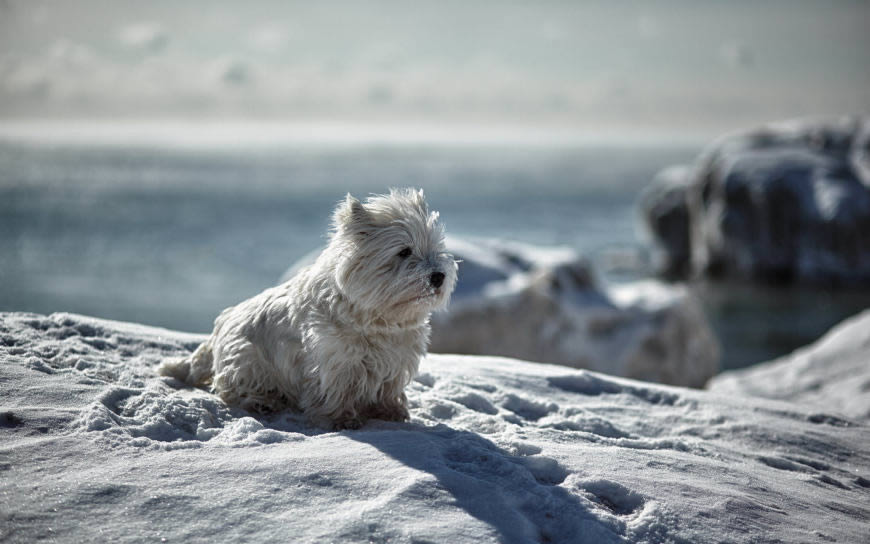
[[436, 279]]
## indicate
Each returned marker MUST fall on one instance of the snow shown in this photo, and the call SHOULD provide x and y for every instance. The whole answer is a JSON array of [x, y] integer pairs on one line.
[[833, 373], [96, 447]]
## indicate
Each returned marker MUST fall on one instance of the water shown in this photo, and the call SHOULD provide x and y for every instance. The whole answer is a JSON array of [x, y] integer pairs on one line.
[[170, 237]]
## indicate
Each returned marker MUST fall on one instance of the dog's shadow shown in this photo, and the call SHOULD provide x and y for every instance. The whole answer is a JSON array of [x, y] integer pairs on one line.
[[517, 495]]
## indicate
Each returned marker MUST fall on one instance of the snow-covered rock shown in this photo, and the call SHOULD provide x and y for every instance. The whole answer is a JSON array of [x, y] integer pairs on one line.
[[786, 202], [95, 447], [831, 374], [545, 304]]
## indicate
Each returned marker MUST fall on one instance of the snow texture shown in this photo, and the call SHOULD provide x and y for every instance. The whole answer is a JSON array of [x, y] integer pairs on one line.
[[95, 447], [545, 304], [831, 374], [786, 202]]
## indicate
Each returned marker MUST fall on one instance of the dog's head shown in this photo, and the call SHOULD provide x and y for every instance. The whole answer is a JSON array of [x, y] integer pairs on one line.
[[390, 256]]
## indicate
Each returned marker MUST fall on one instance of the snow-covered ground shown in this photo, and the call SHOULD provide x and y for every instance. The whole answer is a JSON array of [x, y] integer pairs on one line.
[[94, 447], [833, 373]]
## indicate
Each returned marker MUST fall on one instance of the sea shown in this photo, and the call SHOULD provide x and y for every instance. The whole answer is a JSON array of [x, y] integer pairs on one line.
[[169, 235]]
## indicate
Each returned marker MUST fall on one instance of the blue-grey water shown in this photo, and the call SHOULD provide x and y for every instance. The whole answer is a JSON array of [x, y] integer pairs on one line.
[[170, 238]]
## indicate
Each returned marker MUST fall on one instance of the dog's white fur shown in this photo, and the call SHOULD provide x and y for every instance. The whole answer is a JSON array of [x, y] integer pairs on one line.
[[343, 337]]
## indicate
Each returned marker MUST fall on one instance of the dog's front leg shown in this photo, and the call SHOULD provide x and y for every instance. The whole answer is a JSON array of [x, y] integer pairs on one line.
[[392, 403], [337, 395]]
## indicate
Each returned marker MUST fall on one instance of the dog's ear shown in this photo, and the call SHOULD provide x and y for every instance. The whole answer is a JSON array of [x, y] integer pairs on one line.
[[352, 216]]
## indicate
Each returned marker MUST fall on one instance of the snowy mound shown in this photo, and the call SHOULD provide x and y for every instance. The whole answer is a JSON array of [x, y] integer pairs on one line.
[[787, 202], [97, 448], [545, 304], [833, 373]]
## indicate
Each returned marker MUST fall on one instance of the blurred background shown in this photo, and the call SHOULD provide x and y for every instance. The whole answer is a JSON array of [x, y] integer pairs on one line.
[[160, 161]]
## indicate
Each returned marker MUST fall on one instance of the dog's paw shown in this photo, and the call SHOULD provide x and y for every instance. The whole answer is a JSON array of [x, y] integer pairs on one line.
[[393, 412], [348, 422]]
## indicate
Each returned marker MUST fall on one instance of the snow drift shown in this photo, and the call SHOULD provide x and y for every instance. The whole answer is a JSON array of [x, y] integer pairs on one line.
[[94, 446], [833, 373]]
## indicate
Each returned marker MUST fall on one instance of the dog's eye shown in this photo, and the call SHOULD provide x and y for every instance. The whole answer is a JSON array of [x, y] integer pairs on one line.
[[405, 253]]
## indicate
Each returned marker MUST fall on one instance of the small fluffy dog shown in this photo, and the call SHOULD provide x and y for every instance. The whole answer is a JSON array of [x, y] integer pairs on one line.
[[343, 337]]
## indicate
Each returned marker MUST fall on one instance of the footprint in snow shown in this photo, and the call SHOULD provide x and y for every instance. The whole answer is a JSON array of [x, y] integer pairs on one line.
[[613, 497]]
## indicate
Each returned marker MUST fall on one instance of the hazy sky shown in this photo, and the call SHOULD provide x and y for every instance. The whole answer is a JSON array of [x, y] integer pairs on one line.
[[681, 65]]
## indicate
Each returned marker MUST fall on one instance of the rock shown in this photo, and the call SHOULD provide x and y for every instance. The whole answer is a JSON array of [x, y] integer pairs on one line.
[[665, 213], [832, 374], [546, 305], [785, 203]]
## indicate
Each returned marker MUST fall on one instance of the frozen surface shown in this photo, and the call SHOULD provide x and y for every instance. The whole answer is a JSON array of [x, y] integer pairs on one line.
[[833, 373], [95, 447]]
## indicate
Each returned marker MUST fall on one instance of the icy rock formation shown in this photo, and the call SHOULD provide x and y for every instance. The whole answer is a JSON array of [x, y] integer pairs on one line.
[[95, 447], [666, 213], [832, 374], [542, 304], [786, 202]]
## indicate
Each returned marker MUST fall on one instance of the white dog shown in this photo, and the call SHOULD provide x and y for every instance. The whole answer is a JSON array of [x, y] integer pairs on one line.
[[343, 337]]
